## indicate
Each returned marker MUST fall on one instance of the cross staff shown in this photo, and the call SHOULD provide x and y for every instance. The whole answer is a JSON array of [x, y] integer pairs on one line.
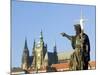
[[81, 21]]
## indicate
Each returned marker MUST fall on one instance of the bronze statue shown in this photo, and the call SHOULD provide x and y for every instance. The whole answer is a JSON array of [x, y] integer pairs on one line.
[[80, 43]]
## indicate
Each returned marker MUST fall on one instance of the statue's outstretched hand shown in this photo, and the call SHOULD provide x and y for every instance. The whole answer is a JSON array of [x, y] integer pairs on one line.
[[63, 34]]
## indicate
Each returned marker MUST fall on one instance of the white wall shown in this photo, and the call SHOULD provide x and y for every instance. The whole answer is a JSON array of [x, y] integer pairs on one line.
[[5, 36]]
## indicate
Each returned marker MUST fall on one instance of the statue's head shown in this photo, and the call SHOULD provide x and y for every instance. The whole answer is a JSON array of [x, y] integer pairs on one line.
[[77, 28]]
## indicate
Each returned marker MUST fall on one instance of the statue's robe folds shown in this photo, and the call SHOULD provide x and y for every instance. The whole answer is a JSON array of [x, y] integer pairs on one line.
[[81, 56]]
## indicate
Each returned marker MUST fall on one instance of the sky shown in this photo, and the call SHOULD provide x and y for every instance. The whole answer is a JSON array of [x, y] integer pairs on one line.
[[29, 18]]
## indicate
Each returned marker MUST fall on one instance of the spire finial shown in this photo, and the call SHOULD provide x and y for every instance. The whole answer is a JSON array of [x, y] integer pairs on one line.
[[54, 43], [33, 51], [41, 35]]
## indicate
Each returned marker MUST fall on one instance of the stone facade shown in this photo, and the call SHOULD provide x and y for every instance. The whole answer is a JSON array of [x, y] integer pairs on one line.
[[40, 56]]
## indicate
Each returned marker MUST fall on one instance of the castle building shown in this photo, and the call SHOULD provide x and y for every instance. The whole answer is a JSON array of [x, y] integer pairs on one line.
[[41, 58]]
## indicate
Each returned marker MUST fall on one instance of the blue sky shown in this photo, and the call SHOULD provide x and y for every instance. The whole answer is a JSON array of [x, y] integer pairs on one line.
[[28, 18]]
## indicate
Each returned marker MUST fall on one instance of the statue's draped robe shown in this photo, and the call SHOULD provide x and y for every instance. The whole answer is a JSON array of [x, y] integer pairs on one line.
[[81, 56]]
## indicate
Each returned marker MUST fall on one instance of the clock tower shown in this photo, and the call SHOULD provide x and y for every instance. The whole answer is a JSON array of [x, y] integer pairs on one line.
[[39, 53]]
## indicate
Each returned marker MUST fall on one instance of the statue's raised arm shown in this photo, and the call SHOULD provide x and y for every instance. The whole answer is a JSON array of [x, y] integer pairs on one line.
[[66, 35]]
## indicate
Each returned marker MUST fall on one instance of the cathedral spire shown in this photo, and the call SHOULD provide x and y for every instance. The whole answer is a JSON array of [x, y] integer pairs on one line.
[[41, 36], [25, 46], [33, 48], [55, 49], [55, 54], [25, 57]]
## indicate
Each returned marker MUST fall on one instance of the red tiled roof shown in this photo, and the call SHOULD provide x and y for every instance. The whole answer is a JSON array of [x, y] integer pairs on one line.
[[61, 65], [66, 65], [92, 63]]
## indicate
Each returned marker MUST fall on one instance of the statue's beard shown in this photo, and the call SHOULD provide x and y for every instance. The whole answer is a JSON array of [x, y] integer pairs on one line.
[[78, 32]]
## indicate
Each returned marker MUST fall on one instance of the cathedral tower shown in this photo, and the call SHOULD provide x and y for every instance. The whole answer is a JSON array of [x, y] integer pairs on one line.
[[25, 57], [55, 54], [39, 53]]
